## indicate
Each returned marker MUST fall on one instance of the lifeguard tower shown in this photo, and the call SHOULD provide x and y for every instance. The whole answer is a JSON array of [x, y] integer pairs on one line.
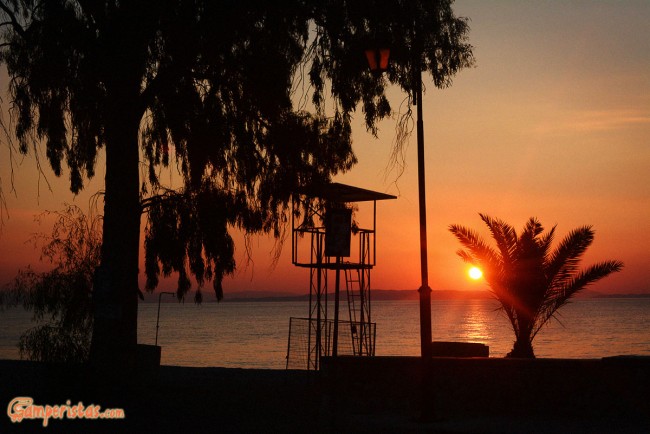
[[322, 241]]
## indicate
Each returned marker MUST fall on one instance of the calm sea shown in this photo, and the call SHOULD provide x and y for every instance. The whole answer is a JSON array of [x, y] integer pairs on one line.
[[255, 334]]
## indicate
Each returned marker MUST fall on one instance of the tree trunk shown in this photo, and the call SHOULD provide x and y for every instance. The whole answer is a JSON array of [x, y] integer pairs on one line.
[[116, 291], [523, 346], [522, 349]]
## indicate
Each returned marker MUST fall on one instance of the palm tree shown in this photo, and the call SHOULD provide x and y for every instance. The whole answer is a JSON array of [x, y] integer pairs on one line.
[[530, 280]]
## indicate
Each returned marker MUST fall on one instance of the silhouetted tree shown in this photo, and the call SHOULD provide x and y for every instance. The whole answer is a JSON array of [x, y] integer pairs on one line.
[[215, 87], [530, 280], [60, 298]]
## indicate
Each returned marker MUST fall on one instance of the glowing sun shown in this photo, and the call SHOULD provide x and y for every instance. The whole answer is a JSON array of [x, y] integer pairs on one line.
[[475, 273]]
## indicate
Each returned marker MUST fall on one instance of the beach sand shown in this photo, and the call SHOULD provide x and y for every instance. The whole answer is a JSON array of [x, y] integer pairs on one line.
[[219, 400]]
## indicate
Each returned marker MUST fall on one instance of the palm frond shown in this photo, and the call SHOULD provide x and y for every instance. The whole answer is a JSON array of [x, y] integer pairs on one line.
[[561, 296], [546, 242], [476, 247], [527, 244], [478, 253], [504, 235], [564, 261], [533, 227], [466, 257]]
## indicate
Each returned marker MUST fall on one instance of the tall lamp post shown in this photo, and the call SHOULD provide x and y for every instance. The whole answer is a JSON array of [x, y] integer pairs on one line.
[[378, 63]]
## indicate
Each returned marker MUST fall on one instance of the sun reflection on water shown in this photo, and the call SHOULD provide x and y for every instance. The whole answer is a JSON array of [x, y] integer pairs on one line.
[[475, 325]]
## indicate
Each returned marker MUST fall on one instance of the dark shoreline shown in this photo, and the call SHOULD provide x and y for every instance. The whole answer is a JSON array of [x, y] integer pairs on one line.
[[352, 395]]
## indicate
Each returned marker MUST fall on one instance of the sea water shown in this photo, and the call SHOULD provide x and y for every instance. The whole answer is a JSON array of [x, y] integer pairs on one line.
[[255, 334]]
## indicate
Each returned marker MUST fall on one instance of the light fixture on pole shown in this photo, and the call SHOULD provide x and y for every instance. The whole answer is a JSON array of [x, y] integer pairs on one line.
[[378, 59]]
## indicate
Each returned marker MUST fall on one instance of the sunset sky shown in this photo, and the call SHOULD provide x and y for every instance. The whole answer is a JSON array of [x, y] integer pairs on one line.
[[553, 122]]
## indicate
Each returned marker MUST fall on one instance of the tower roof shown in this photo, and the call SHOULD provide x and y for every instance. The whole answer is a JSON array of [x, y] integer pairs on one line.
[[337, 192]]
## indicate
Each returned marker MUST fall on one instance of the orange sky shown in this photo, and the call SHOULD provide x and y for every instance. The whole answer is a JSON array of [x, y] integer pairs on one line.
[[554, 122]]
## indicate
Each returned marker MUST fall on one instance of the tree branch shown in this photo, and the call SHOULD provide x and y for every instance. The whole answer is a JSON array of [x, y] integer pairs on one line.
[[168, 194], [13, 20]]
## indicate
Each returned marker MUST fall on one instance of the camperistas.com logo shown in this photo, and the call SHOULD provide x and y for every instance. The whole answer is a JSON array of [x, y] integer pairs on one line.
[[23, 408]]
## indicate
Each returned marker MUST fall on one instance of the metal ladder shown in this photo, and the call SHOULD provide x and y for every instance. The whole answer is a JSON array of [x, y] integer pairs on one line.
[[357, 283], [356, 310]]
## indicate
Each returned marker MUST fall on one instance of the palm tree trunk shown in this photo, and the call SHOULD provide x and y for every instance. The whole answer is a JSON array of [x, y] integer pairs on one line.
[[523, 346], [522, 349]]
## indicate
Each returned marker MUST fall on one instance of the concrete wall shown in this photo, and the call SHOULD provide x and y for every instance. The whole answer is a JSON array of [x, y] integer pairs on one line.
[[490, 386]]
